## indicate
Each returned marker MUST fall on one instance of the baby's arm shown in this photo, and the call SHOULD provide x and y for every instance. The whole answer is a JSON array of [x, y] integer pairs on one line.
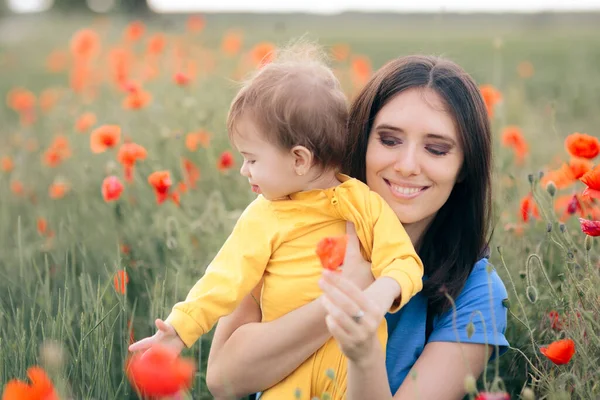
[[384, 291], [234, 272], [393, 253]]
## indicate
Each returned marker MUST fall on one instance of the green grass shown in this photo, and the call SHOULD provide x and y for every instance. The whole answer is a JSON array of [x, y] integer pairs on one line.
[[62, 289]]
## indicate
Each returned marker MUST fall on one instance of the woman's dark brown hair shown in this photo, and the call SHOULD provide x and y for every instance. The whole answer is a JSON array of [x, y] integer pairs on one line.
[[459, 234]]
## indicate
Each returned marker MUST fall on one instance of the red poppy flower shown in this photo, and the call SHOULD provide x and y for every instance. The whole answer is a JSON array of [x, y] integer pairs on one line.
[[159, 372], [492, 396], [592, 181], [361, 69], [262, 53], [85, 43], [181, 79], [580, 166], [58, 189], [582, 145], [105, 137], [331, 251], [111, 188], [231, 43], [6, 164], [161, 182], [528, 208], [134, 31], [491, 97], [226, 161], [85, 122], [128, 155], [559, 352], [555, 320], [512, 137], [195, 139], [590, 228], [195, 23], [41, 387], [156, 44], [136, 100], [191, 173], [120, 281]]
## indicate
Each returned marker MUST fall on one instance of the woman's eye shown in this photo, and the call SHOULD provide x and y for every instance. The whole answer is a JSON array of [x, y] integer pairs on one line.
[[388, 141], [437, 151]]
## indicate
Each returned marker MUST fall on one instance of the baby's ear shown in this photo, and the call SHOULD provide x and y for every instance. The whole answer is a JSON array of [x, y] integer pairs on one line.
[[303, 159]]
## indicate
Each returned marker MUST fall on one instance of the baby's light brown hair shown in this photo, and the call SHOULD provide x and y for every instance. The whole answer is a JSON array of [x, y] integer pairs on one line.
[[296, 100]]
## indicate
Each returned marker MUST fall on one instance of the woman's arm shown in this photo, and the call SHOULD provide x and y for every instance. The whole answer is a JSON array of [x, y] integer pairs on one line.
[[439, 373], [444, 362], [247, 356]]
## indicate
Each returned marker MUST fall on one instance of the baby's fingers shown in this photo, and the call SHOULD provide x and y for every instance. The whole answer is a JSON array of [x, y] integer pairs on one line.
[[143, 344], [164, 327]]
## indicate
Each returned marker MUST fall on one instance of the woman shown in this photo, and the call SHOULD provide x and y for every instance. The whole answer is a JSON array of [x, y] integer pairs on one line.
[[419, 136]]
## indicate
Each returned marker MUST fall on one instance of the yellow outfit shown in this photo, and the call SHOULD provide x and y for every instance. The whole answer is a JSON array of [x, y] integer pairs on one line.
[[277, 240]]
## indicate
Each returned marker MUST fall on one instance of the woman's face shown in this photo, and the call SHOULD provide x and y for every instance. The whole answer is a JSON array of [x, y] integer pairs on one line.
[[414, 157]]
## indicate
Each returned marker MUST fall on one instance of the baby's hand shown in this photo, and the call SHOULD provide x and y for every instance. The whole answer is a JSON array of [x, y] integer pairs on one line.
[[166, 336]]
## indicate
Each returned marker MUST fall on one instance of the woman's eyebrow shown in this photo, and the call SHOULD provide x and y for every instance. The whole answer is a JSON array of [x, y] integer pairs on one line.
[[441, 137], [389, 128]]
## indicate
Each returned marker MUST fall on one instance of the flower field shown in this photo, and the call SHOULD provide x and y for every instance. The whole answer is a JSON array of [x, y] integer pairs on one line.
[[119, 184]]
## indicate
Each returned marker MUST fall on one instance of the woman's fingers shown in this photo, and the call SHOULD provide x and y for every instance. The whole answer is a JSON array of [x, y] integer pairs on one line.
[[342, 318], [338, 297], [337, 331], [352, 294]]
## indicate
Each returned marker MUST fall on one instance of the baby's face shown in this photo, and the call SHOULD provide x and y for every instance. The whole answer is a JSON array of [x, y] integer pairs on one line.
[[269, 169]]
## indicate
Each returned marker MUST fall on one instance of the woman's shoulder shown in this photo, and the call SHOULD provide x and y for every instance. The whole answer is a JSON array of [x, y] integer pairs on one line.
[[483, 281], [479, 314]]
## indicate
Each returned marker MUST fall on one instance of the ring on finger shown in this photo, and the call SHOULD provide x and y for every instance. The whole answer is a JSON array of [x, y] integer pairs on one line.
[[357, 317]]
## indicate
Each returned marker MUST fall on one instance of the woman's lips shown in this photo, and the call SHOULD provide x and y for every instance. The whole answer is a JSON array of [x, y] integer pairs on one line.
[[405, 192]]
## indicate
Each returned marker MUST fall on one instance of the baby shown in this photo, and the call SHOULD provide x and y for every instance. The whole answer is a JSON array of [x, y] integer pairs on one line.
[[289, 123]]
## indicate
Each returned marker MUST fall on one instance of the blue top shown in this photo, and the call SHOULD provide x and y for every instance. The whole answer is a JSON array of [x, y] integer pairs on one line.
[[406, 328]]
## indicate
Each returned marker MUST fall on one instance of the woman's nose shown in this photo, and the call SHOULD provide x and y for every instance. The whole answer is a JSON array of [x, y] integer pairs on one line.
[[407, 163]]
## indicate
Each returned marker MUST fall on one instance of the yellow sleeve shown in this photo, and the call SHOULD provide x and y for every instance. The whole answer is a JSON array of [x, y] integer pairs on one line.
[[233, 273], [393, 253]]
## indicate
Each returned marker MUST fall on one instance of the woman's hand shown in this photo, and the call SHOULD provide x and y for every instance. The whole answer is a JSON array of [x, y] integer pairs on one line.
[[352, 318], [165, 335], [355, 267]]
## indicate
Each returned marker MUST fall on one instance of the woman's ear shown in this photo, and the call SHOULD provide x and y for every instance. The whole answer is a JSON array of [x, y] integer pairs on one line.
[[303, 159]]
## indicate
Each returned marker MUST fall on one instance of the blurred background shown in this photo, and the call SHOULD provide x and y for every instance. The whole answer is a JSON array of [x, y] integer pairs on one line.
[[91, 270]]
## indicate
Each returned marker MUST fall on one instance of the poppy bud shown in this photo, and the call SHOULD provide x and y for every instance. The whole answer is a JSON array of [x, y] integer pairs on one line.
[[588, 243], [470, 329], [470, 384], [527, 394], [532, 294], [562, 228], [551, 188]]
